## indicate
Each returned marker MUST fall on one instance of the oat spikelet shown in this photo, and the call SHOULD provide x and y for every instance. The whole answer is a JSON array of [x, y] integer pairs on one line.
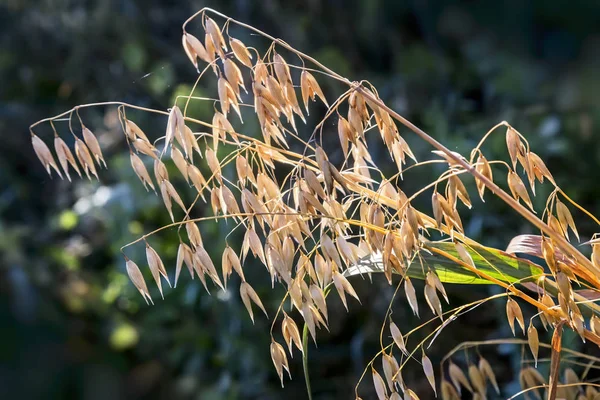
[[133, 131], [145, 147], [379, 384], [156, 267], [518, 189], [217, 37], [310, 87], [138, 280], [484, 168], [534, 341], [241, 52], [565, 219], [92, 143], [390, 368], [513, 143], [160, 171], [249, 296], [85, 159], [411, 295], [428, 369], [140, 170], [65, 157], [184, 255], [458, 378], [43, 153], [477, 380], [486, 371], [449, 392], [343, 286], [180, 162], [195, 49], [513, 311], [279, 360], [291, 334], [397, 337]]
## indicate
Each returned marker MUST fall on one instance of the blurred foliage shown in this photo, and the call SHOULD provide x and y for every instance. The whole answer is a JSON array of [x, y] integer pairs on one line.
[[72, 324]]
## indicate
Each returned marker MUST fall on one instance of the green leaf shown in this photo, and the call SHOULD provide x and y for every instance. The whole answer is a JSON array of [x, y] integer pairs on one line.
[[493, 262]]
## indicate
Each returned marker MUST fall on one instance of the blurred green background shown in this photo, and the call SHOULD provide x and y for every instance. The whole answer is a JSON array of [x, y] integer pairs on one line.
[[71, 324]]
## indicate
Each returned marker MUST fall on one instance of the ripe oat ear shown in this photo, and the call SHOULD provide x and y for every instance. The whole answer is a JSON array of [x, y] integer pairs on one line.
[[315, 219]]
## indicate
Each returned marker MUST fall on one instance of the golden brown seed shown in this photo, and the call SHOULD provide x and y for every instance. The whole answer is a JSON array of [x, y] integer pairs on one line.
[[92, 143], [458, 378], [138, 279], [411, 295], [65, 157], [513, 144], [156, 267], [160, 171], [291, 334], [513, 311], [144, 147], [517, 188], [217, 37], [428, 369], [310, 87], [379, 384], [486, 371], [85, 159], [249, 296], [534, 342], [477, 380], [140, 170], [397, 337], [565, 219], [484, 168], [241, 52], [448, 391], [279, 360]]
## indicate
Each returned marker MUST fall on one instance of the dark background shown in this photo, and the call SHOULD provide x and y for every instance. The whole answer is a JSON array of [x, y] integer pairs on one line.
[[71, 324]]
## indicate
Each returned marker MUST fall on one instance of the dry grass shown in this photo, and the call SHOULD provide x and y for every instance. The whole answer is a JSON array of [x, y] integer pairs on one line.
[[312, 228]]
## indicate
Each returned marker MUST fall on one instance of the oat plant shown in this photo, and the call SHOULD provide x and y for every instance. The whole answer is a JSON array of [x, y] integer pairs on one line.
[[319, 225]]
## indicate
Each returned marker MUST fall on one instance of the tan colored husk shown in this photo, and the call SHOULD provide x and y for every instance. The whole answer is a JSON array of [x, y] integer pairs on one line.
[[85, 159], [65, 157], [140, 170], [379, 384], [291, 334], [249, 296], [145, 147], [428, 370], [279, 360], [157, 268], [241, 52], [92, 143], [486, 371], [458, 378], [138, 280]]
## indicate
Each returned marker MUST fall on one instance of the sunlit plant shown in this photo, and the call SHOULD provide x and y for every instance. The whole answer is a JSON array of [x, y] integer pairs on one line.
[[316, 224]]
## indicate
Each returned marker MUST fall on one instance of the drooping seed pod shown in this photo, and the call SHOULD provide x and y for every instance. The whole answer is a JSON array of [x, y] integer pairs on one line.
[[140, 170], [241, 52], [136, 277], [458, 378], [488, 373], [379, 384], [428, 370], [156, 267], [310, 87], [279, 360], [92, 143], [513, 311], [249, 296], [533, 341], [291, 334], [85, 159], [517, 188], [65, 157]]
